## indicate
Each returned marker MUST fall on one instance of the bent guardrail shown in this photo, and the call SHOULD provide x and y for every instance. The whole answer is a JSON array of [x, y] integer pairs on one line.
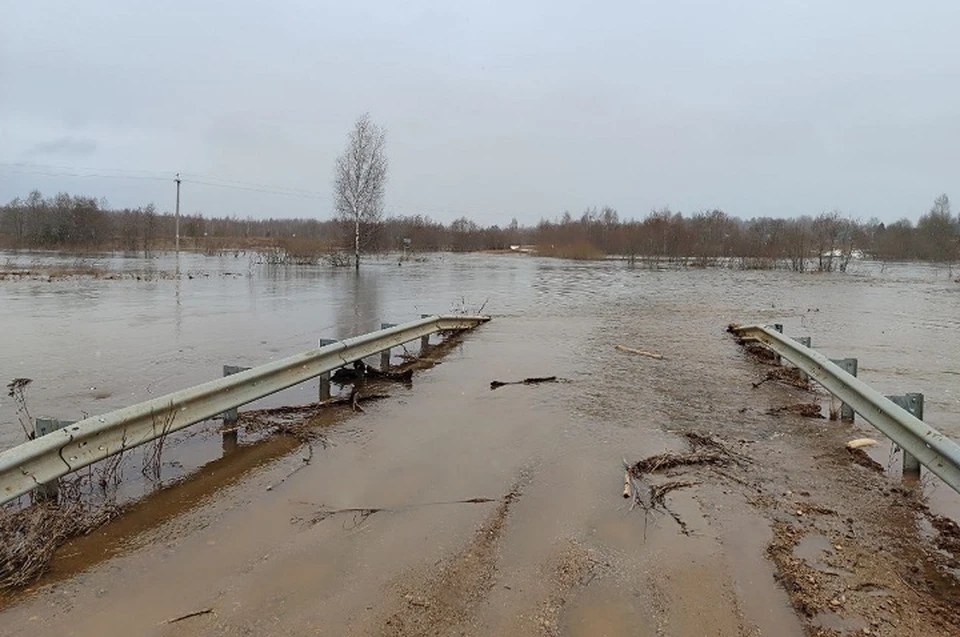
[[87, 441], [932, 449]]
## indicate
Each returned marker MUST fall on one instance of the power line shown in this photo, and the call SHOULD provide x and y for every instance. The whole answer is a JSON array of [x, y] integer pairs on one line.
[[46, 173], [246, 184], [70, 170], [396, 207], [50, 170], [263, 189]]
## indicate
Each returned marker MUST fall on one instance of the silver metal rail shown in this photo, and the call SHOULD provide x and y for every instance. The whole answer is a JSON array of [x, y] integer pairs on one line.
[[939, 454], [85, 442]]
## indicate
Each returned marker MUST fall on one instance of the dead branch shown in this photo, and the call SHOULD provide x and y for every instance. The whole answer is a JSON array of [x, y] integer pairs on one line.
[[787, 375], [664, 461], [659, 491], [361, 370], [807, 410], [405, 376], [631, 350], [17, 389], [196, 613], [760, 353], [308, 409], [494, 384], [363, 513]]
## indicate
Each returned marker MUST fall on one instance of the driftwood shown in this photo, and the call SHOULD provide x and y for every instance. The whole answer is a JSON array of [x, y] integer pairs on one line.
[[787, 375], [362, 370], [494, 384], [807, 410], [404, 376], [310, 408], [664, 461], [196, 613], [631, 350]]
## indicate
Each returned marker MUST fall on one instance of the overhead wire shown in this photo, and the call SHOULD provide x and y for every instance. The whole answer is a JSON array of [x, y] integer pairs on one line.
[[402, 208]]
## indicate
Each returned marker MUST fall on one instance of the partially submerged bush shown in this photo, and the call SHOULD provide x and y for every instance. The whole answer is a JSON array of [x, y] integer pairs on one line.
[[30, 536]]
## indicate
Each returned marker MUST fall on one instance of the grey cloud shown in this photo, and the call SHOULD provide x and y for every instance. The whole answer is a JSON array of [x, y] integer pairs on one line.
[[67, 147], [495, 109]]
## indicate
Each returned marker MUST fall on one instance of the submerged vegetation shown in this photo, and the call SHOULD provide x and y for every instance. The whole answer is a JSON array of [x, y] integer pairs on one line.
[[826, 242]]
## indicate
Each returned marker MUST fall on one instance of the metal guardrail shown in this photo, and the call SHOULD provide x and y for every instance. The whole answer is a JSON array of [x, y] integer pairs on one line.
[[939, 454], [85, 442]]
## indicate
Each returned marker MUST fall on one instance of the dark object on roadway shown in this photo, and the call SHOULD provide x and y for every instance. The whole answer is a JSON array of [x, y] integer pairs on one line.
[[526, 381], [361, 370]]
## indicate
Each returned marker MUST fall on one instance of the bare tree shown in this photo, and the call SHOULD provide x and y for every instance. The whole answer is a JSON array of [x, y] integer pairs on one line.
[[360, 177]]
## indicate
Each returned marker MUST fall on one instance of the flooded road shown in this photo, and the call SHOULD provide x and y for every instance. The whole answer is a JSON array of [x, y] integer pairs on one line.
[[453, 509]]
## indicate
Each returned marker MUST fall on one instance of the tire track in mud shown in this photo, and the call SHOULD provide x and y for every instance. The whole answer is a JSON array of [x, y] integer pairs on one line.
[[447, 597], [573, 568]]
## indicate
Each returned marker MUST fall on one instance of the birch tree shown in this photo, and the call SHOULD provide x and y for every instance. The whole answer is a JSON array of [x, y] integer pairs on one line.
[[360, 178]]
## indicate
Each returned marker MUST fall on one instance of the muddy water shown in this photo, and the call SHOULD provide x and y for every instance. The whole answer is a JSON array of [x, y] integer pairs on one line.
[[264, 561], [92, 345]]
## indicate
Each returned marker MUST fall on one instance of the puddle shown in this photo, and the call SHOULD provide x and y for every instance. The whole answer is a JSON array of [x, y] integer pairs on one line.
[[813, 549], [833, 621]]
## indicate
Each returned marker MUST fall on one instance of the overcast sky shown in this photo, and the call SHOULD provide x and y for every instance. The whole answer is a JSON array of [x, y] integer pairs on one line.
[[493, 109]]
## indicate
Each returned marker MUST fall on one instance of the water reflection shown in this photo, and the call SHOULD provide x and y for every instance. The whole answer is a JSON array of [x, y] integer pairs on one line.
[[358, 310], [178, 306]]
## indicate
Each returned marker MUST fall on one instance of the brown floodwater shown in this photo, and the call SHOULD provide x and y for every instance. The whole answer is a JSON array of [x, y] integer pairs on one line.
[[267, 563], [93, 345]]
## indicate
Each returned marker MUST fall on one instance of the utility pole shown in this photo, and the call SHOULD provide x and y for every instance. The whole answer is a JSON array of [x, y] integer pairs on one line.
[[177, 217]]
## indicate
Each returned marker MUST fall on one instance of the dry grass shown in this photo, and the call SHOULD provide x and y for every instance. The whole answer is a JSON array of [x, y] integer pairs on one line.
[[54, 272], [30, 536], [153, 456]]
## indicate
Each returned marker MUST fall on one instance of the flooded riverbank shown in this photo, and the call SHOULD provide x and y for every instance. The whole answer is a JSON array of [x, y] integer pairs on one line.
[[555, 550], [91, 345]]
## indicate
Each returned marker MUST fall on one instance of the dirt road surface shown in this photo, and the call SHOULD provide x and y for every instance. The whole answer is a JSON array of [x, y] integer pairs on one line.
[[457, 510]]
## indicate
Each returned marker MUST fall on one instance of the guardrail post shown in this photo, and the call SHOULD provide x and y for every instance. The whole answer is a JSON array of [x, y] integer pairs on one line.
[[424, 340], [385, 354], [231, 416], [913, 403], [41, 427], [806, 342], [779, 328], [845, 411], [325, 376]]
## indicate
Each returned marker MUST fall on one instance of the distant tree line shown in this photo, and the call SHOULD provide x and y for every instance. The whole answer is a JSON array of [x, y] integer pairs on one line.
[[826, 242]]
